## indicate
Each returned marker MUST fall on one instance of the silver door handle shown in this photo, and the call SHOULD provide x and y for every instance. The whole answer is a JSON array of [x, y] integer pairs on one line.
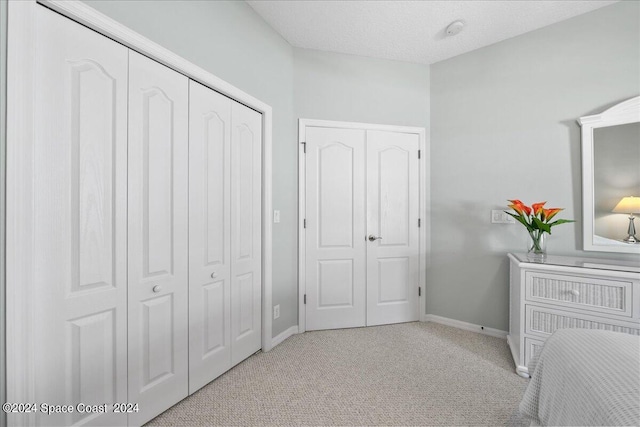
[[373, 238]]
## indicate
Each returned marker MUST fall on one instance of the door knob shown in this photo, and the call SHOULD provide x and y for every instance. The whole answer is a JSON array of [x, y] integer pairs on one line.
[[157, 288], [373, 238], [214, 275]]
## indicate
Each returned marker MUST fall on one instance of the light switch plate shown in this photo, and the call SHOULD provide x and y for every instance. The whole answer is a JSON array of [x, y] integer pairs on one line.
[[500, 217], [276, 311], [276, 216]]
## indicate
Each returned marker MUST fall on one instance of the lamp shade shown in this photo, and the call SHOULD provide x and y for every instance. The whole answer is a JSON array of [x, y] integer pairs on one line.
[[628, 205]]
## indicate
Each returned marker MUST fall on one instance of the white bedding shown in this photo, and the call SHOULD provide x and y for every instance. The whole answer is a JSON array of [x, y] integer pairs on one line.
[[585, 378]]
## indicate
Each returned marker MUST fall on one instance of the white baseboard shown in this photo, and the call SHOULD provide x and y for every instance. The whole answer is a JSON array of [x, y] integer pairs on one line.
[[278, 339], [466, 326]]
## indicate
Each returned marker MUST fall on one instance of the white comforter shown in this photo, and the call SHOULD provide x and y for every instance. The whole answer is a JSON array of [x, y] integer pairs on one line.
[[585, 378]]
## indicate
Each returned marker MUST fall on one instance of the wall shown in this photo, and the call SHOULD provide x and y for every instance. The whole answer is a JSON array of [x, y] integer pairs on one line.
[[3, 135], [232, 42], [332, 86], [503, 127]]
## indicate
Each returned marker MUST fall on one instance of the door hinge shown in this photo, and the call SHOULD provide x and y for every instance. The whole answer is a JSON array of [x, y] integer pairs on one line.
[[419, 222], [304, 147], [304, 223], [419, 153], [419, 291], [305, 298]]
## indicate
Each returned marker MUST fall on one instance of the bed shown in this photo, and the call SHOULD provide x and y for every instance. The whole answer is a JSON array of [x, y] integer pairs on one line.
[[585, 378]]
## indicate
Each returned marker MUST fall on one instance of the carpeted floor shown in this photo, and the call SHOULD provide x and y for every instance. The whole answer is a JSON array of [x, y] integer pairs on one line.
[[405, 374]]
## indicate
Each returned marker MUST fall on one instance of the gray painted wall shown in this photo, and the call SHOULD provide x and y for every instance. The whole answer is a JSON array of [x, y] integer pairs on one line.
[[332, 86], [3, 144], [232, 42], [503, 127]]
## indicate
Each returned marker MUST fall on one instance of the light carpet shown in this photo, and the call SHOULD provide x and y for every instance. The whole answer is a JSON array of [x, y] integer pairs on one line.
[[403, 374]]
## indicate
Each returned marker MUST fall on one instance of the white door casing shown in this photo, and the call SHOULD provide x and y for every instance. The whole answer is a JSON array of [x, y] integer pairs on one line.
[[397, 195], [209, 235], [335, 228], [392, 216], [158, 237], [79, 260], [246, 230]]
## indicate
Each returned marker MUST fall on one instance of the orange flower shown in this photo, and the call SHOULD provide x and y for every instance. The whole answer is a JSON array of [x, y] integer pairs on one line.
[[550, 213], [537, 208], [538, 223], [520, 207]]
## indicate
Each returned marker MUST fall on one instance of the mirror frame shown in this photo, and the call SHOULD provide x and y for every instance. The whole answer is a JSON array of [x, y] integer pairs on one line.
[[623, 113]]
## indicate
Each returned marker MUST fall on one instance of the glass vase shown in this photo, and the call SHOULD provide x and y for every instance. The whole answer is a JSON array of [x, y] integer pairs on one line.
[[537, 245]]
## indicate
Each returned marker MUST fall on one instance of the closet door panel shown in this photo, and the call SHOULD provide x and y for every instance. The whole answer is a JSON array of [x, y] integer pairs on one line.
[[392, 214], [158, 237], [79, 347], [209, 235], [246, 231]]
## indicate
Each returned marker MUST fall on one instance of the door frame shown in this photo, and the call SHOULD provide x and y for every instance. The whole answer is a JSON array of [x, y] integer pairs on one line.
[[20, 138], [424, 203]]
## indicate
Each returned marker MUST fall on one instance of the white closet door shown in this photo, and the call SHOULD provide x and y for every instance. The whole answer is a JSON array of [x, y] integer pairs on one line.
[[79, 347], [209, 235], [335, 228], [246, 231], [158, 235], [392, 215]]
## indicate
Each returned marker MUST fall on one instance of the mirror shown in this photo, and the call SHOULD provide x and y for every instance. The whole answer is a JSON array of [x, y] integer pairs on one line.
[[611, 178]]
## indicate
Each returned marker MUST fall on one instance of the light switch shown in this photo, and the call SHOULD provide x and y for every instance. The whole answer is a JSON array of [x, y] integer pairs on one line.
[[276, 216], [500, 217]]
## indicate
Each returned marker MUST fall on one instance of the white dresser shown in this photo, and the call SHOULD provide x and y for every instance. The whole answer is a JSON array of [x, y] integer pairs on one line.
[[568, 292]]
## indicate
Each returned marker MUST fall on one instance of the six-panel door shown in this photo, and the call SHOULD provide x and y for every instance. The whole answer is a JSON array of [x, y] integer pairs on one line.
[[158, 237], [79, 222]]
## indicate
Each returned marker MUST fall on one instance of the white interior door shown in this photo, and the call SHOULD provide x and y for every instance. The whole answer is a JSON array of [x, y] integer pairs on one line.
[[335, 228], [79, 187], [246, 232], [158, 234], [393, 247], [361, 259], [209, 235]]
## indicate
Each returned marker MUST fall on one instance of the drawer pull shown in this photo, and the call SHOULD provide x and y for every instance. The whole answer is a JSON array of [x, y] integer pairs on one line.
[[574, 292]]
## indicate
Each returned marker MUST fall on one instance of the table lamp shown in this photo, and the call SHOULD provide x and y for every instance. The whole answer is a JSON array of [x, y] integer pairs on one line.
[[629, 205]]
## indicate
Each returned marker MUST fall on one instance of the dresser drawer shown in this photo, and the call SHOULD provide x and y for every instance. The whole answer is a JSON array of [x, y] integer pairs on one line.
[[531, 348], [545, 320], [583, 292]]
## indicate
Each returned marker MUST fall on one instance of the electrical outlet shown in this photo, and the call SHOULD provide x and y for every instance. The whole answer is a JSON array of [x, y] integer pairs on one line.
[[500, 217], [276, 311]]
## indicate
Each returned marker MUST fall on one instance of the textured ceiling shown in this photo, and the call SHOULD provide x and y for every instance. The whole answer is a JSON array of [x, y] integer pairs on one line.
[[411, 31]]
